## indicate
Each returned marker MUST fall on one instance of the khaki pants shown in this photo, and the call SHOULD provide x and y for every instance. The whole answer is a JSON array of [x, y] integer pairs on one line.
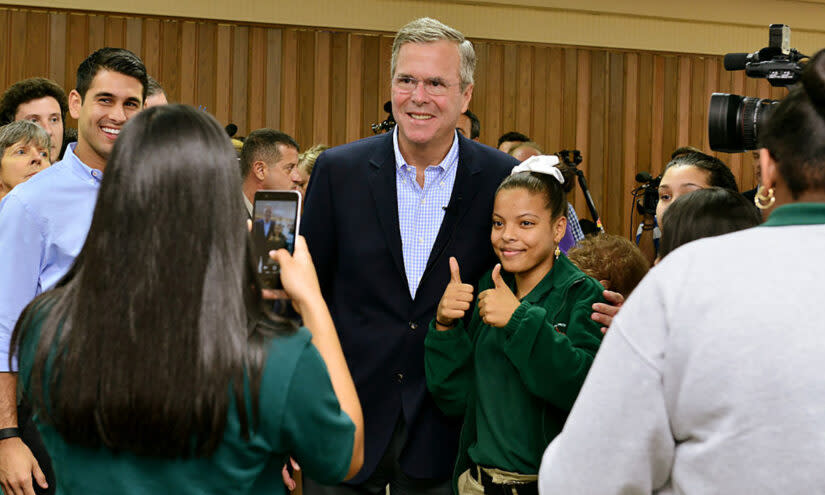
[[468, 483]]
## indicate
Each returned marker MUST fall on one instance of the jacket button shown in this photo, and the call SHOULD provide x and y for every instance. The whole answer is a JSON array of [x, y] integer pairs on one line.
[[413, 325], [399, 377]]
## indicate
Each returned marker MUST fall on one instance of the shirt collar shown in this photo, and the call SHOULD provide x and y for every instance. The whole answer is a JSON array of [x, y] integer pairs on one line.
[[563, 273], [797, 214], [445, 164], [78, 167], [248, 204]]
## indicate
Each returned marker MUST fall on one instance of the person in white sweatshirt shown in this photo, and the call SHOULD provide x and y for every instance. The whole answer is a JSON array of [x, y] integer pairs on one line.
[[710, 379]]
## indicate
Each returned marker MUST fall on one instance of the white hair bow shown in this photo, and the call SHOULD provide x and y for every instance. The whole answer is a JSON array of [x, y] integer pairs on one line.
[[542, 164]]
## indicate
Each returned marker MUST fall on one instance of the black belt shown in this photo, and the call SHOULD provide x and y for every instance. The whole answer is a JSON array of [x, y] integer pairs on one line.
[[491, 488]]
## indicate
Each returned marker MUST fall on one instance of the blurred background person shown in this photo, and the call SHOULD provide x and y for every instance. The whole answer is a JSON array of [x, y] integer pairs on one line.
[[69, 136], [705, 213], [187, 385], [155, 95], [615, 262], [509, 139], [269, 160], [42, 101], [469, 125], [701, 213], [612, 260], [523, 151], [687, 171], [649, 228], [24, 151], [710, 379], [306, 162], [574, 233]]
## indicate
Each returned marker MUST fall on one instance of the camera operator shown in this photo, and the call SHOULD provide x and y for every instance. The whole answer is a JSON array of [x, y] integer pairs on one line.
[[648, 233], [688, 170]]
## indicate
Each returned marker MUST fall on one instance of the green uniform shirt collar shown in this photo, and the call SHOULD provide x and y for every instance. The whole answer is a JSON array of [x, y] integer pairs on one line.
[[797, 214], [561, 275]]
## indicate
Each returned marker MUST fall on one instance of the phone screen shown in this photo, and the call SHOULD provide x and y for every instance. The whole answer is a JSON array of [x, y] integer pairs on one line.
[[275, 221]]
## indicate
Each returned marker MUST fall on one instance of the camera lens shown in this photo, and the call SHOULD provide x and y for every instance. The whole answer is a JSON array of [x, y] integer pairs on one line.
[[734, 121]]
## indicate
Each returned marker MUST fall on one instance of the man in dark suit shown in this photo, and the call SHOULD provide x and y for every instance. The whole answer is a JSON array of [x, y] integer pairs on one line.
[[383, 216], [263, 229]]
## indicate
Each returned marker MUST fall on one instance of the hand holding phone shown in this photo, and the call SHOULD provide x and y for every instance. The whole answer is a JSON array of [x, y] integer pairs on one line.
[[275, 225], [297, 275]]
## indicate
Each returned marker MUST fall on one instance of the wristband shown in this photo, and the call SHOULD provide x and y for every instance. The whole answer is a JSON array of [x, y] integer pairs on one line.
[[444, 324], [9, 433]]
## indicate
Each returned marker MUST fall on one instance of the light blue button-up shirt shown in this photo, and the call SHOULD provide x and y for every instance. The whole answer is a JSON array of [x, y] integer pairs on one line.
[[421, 209], [43, 225]]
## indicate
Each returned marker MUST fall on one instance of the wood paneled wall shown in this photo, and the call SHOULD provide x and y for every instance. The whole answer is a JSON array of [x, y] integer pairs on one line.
[[626, 111]]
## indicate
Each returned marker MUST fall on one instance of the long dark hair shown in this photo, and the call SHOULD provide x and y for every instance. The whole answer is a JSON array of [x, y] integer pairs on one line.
[[705, 213], [795, 132], [719, 175], [155, 328]]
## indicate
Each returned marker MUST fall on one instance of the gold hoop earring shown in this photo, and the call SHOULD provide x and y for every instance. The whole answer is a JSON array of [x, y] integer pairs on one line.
[[764, 201]]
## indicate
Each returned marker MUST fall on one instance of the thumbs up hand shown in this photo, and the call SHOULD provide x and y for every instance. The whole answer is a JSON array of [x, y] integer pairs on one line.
[[456, 300], [497, 305]]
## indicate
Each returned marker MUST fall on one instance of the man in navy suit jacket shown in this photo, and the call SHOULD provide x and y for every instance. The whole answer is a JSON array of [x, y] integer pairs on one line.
[[383, 215]]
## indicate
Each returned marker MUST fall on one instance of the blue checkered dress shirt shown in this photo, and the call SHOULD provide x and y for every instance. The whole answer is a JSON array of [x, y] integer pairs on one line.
[[421, 209], [573, 224]]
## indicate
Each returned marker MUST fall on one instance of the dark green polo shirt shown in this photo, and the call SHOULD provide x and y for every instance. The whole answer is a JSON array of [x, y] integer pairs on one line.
[[797, 214], [518, 383], [299, 416]]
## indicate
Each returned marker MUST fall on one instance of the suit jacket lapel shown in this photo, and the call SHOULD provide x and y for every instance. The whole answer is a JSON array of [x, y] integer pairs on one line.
[[382, 185], [468, 175]]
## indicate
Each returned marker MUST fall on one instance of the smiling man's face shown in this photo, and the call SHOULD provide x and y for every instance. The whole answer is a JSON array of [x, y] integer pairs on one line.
[[423, 119], [112, 99]]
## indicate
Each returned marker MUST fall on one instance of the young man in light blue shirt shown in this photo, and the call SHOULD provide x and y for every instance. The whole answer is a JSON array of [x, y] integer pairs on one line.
[[45, 221]]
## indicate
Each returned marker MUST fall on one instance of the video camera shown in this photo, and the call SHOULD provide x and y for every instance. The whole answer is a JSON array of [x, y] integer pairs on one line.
[[388, 124], [734, 121], [649, 191]]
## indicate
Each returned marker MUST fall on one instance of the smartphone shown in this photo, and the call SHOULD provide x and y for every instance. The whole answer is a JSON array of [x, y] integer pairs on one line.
[[275, 221]]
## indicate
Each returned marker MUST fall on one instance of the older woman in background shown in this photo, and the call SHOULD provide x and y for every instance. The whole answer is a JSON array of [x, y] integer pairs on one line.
[[710, 378], [24, 151]]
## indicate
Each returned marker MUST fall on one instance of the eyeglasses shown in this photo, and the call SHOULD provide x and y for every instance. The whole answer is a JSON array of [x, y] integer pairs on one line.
[[433, 87]]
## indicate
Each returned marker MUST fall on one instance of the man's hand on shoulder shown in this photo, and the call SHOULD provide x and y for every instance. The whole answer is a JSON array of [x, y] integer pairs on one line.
[[604, 312]]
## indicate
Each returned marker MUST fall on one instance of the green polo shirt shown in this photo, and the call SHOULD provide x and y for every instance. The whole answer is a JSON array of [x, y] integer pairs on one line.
[[299, 416], [517, 384], [797, 214]]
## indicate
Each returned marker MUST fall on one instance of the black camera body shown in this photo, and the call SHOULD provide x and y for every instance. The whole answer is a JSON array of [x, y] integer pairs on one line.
[[388, 124], [649, 191], [734, 121]]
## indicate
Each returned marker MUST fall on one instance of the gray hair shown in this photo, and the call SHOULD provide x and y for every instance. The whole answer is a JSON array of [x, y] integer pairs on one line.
[[428, 30], [23, 130]]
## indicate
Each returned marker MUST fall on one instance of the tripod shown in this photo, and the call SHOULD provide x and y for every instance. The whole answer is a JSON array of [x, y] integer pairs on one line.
[[573, 163]]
